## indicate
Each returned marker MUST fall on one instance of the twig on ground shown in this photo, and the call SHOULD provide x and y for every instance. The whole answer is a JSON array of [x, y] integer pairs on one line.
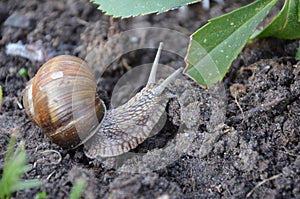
[[263, 182], [49, 176], [253, 111], [54, 151], [289, 152], [238, 104], [235, 90]]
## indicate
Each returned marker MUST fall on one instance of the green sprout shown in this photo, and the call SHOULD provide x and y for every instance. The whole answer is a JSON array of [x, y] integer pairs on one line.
[[14, 167], [77, 189], [41, 195], [297, 57], [23, 72]]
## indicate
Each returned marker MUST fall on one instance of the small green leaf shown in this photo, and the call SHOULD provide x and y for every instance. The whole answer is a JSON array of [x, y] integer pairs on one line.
[[297, 57], [77, 189], [23, 72], [131, 8], [286, 24], [41, 195], [214, 46]]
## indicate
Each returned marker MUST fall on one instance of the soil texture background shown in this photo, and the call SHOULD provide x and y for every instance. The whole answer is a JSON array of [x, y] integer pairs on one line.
[[244, 145]]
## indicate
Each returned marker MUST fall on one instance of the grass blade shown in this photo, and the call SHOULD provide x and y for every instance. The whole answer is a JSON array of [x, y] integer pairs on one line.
[[77, 189], [25, 185], [14, 168]]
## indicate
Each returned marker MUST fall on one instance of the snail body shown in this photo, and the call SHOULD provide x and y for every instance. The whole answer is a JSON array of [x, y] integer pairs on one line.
[[62, 100]]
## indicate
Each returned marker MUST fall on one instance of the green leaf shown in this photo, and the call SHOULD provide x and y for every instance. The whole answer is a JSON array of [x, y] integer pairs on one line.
[[6, 180], [10, 150], [14, 168], [297, 57], [131, 8], [298, 12], [41, 195], [77, 189], [25, 185], [23, 72], [214, 46], [286, 24]]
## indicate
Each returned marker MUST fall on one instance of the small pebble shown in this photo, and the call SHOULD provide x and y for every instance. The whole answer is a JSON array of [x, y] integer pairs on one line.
[[20, 21], [31, 52]]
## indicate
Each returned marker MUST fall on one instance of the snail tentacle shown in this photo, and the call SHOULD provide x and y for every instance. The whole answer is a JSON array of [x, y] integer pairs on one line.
[[159, 89], [152, 76], [62, 100], [125, 127]]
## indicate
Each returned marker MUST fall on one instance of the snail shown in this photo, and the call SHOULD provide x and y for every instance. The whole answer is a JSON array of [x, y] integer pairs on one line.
[[62, 100]]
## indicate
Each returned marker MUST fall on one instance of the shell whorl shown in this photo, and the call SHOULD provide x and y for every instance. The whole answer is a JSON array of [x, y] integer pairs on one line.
[[62, 100]]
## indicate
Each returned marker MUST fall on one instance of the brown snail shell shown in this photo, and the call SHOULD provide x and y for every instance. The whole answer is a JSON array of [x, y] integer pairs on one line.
[[62, 100]]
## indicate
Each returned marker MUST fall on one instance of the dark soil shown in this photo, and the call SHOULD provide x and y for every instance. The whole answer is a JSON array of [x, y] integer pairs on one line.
[[244, 143]]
